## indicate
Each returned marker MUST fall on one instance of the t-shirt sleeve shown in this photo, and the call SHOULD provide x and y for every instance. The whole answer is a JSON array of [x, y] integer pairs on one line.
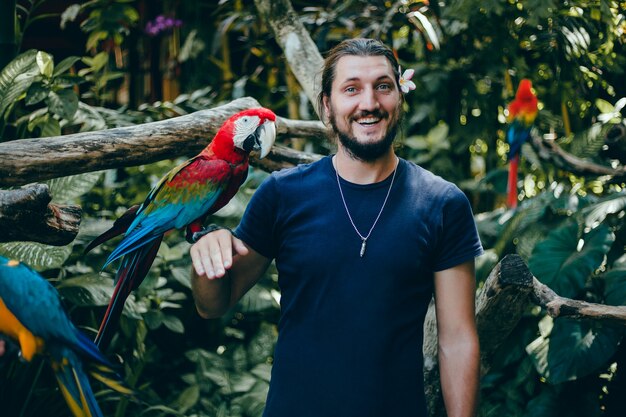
[[257, 225], [458, 239]]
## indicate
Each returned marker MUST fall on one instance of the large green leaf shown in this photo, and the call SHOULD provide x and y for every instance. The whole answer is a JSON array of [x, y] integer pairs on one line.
[[16, 78], [38, 256], [615, 283], [564, 260], [595, 214], [87, 290], [573, 350], [68, 189], [589, 143], [63, 103], [65, 65]]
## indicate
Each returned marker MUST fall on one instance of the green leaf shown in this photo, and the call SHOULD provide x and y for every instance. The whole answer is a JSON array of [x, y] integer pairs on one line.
[[564, 260], [36, 93], [615, 283], [546, 404], [589, 143], [89, 118], [50, 127], [65, 65], [188, 398], [16, 78], [45, 64], [38, 256], [604, 106], [63, 103], [69, 189], [154, 319], [182, 276], [257, 299], [174, 324], [573, 350], [595, 214], [87, 290]]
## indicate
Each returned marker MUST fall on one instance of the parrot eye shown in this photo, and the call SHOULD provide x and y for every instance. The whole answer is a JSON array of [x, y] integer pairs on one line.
[[245, 120]]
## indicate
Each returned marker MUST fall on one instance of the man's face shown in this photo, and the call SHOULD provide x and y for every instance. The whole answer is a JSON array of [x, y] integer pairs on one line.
[[364, 105]]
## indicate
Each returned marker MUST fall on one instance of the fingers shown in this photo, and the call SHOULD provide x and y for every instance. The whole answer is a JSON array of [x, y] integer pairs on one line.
[[212, 254]]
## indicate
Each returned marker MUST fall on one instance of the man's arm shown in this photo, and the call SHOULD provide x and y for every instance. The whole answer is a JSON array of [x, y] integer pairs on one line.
[[459, 354], [224, 269]]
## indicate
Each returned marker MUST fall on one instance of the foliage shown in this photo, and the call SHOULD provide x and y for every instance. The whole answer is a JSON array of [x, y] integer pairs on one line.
[[468, 56]]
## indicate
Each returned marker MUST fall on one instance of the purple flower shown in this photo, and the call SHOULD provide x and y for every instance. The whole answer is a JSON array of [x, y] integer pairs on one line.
[[162, 24]]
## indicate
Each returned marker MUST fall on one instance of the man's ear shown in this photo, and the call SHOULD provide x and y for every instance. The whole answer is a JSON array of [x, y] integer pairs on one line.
[[326, 108]]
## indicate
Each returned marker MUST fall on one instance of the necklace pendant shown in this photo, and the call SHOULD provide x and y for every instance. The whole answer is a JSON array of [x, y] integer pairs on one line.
[[363, 248]]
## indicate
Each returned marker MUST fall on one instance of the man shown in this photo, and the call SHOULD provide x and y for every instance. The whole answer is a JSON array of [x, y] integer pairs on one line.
[[361, 239]]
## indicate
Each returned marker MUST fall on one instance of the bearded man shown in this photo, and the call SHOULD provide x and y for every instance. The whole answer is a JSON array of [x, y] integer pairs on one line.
[[362, 240]]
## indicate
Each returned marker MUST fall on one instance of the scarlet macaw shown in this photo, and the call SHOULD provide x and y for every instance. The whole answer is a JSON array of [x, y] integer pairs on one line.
[[184, 197], [522, 113], [32, 315]]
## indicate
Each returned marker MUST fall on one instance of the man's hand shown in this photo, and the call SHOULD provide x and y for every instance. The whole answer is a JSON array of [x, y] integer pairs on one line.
[[213, 254]]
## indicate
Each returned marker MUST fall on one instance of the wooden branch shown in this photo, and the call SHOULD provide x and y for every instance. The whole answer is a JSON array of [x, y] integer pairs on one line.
[[551, 152], [26, 214], [281, 157], [300, 51], [29, 160], [558, 306]]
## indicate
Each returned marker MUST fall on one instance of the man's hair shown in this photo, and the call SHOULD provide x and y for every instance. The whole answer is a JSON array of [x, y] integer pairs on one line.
[[353, 47]]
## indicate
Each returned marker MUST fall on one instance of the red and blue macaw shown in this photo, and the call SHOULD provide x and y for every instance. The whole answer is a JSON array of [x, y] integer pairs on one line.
[[31, 314], [183, 198], [522, 113]]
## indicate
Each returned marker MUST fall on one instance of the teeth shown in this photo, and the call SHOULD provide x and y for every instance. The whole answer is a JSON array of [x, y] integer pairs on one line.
[[368, 120]]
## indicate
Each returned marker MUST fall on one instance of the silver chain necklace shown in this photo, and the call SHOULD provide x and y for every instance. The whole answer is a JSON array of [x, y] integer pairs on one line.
[[364, 238]]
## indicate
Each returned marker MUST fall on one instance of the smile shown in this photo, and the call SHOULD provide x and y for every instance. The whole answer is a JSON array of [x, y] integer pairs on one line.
[[368, 121]]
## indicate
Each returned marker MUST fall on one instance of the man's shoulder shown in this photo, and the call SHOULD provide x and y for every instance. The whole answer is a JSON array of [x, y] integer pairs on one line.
[[425, 182]]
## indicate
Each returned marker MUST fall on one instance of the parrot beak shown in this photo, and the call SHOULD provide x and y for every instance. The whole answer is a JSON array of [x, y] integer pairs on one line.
[[265, 135]]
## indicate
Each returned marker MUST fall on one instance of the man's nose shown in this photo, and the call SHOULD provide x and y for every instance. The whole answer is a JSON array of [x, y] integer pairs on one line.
[[368, 100]]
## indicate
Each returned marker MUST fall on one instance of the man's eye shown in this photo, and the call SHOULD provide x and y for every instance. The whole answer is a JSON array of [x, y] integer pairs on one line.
[[350, 90], [384, 87]]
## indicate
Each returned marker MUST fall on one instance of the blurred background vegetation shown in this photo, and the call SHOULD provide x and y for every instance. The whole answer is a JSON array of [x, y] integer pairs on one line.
[[107, 63]]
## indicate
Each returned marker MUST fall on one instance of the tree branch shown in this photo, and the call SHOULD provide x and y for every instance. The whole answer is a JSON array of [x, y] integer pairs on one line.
[[26, 214], [550, 151], [558, 306], [300, 51], [30, 160]]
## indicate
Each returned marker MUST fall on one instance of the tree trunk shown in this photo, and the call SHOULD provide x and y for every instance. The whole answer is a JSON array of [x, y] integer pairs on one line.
[[26, 214], [301, 53]]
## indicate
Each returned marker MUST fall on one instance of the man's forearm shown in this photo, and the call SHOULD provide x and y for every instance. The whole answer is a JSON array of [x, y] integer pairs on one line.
[[459, 368], [212, 296]]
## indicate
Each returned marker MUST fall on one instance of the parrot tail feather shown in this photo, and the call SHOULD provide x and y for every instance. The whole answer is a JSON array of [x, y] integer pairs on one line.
[[99, 367], [511, 199], [119, 227], [75, 386], [133, 270]]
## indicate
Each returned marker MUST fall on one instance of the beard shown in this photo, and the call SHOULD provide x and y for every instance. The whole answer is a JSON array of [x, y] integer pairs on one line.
[[368, 151]]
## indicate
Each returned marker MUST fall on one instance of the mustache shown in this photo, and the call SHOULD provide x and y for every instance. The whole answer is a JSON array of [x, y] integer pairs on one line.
[[376, 113]]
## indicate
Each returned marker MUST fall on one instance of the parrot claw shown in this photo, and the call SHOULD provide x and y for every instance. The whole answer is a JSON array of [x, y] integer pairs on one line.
[[194, 237]]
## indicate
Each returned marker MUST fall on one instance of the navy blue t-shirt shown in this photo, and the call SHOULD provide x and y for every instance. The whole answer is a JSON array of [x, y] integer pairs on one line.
[[350, 329]]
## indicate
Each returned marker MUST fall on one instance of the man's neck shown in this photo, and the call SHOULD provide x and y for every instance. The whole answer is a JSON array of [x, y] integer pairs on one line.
[[364, 172]]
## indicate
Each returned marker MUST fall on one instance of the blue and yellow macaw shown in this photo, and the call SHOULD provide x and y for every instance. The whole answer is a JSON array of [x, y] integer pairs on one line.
[[32, 315], [522, 113]]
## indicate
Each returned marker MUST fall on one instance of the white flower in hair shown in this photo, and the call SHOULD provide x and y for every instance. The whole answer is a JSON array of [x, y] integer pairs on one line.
[[406, 84]]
